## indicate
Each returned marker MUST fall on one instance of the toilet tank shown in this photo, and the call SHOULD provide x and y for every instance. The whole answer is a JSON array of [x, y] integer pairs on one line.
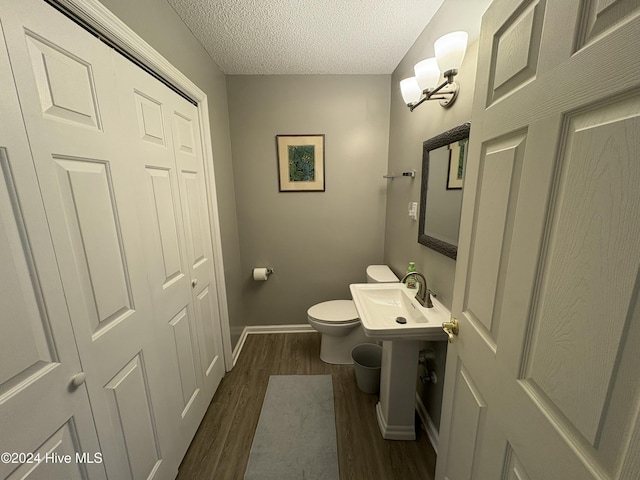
[[380, 274]]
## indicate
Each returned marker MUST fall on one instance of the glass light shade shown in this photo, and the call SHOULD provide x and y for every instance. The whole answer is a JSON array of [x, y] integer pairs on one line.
[[411, 91], [427, 73], [450, 50]]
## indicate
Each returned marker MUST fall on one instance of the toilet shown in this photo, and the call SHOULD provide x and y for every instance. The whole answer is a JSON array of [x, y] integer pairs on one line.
[[338, 322]]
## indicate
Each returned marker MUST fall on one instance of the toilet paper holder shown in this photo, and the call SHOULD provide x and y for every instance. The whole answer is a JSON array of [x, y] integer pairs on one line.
[[262, 273]]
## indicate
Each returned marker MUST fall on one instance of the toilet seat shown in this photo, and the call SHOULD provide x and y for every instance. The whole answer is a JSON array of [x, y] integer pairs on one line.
[[334, 312]]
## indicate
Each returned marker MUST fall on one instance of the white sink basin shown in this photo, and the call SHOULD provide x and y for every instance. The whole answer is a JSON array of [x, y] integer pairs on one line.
[[381, 304]]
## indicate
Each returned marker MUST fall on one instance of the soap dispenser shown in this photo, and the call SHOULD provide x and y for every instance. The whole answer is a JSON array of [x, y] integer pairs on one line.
[[411, 281]]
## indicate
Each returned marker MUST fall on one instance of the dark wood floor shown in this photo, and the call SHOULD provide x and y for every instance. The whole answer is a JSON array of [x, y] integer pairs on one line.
[[220, 448]]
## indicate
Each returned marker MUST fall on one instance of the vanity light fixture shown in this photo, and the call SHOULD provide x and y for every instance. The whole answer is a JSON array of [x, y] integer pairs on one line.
[[450, 50]]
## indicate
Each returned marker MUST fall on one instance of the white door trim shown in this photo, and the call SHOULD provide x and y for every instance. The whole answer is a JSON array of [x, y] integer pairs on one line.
[[102, 21]]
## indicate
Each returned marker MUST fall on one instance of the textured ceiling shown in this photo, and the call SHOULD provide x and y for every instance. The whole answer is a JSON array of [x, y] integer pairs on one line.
[[306, 36]]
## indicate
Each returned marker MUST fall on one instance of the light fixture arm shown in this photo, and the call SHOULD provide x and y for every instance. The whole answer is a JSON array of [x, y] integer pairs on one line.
[[449, 53], [446, 97]]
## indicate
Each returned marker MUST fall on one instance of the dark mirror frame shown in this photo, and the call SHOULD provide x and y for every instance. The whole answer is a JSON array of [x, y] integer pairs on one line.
[[450, 136]]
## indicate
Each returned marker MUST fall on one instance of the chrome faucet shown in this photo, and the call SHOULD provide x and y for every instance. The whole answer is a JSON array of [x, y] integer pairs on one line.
[[422, 296]]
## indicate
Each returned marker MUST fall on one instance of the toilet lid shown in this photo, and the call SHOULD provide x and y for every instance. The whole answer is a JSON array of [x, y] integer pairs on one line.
[[334, 311]]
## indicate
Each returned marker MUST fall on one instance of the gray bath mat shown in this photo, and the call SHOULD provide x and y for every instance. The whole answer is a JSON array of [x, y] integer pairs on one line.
[[296, 434]]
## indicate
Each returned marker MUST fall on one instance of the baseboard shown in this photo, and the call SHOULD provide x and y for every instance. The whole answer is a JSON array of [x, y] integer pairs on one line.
[[300, 328], [429, 426], [258, 329], [238, 348]]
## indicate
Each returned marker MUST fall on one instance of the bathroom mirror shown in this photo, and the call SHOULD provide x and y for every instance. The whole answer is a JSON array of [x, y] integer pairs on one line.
[[443, 162]]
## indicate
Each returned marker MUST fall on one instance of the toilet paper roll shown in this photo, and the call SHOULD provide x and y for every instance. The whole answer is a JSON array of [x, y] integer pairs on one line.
[[261, 274]]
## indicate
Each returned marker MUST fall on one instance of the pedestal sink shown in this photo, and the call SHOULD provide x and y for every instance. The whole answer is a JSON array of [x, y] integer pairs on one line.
[[390, 313]]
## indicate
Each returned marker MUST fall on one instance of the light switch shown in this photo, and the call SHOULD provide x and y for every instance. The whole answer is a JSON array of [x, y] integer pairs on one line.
[[413, 210]]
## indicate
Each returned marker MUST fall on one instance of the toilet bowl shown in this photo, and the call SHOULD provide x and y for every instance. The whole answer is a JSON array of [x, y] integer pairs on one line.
[[338, 322]]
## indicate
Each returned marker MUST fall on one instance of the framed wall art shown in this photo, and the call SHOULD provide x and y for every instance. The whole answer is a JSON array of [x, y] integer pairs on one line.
[[300, 163], [457, 158]]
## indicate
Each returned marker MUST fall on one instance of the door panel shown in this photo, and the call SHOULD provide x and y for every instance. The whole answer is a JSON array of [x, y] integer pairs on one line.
[[183, 335], [177, 238], [192, 187], [467, 424], [548, 271], [130, 408], [572, 313], [516, 50], [183, 134], [62, 443], [39, 357], [166, 225], [597, 16], [513, 469], [92, 225], [497, 195], [64, 82], [205, 308], [146, 107], [150, 121], [66, 85], [24, 331]]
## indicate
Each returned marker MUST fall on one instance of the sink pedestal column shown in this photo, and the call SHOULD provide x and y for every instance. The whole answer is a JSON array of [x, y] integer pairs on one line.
[[396, 408]]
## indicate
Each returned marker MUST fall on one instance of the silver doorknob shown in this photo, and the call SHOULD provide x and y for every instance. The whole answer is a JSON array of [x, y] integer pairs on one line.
[[78, 379], [194, 282]]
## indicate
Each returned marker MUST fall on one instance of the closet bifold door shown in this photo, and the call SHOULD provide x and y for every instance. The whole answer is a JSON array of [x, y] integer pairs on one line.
[[42, 412], [187, 147], [88, 182], [163, 130], [150, 112]]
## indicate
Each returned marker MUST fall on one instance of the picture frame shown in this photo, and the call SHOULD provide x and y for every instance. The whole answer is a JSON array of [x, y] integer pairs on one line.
[[300, 162], [457, 157]]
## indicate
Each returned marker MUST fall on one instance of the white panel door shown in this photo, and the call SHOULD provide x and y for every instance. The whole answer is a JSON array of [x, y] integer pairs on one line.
[[187, 145], [146, 106], [43, 416], [67, 91], [542, 381]]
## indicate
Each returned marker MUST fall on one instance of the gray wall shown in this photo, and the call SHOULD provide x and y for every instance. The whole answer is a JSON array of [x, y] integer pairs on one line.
[[317, 242], [407, 132], [157, 23]]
